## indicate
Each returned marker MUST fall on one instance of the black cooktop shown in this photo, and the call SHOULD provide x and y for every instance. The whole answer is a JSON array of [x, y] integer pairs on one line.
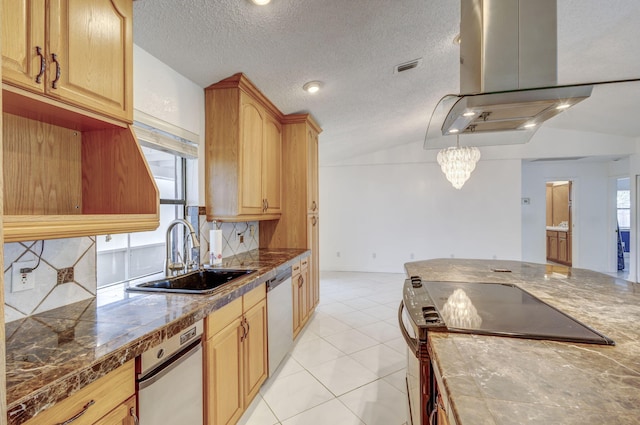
[[505, 309]]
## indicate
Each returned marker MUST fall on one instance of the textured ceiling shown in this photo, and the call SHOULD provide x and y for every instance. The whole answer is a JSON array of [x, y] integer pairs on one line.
[[352, 46]]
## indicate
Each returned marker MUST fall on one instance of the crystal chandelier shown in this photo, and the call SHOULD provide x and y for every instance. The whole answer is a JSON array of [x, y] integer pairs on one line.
[[457, 163]]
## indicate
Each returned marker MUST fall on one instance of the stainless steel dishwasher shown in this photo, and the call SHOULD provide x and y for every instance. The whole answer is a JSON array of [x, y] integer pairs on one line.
[[169, 380], [279, 317]]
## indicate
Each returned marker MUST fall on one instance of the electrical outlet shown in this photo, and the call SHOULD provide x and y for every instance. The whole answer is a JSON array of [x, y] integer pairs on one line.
[[21, 280], [241, 236], [252, 230]]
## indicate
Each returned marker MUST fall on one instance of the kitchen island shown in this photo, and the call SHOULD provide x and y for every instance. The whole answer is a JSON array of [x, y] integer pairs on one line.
[[54, 354], [502, 380]]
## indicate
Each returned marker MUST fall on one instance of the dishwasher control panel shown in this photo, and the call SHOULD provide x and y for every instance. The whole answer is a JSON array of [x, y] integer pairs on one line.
[[157, 355]]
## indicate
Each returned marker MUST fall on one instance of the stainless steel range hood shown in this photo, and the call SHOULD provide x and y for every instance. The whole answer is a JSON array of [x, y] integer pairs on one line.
[[508, 72]]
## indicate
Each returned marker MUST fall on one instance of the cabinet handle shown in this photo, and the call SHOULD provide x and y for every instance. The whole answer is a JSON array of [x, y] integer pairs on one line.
[[54, 83], [244, 330], [43, 64], [314, 220], [300, 281], [314, 206], [246, 322], [266, 203], [77, 415], [132, 413]]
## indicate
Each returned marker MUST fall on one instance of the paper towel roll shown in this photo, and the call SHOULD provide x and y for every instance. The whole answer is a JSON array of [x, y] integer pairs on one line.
[[215, 247]]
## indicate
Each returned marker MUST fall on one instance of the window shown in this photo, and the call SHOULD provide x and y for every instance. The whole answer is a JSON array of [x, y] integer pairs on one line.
[[624, 208], [134, 255]]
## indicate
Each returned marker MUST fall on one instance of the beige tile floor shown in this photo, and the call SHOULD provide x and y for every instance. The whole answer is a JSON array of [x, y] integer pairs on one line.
[[347, 367]]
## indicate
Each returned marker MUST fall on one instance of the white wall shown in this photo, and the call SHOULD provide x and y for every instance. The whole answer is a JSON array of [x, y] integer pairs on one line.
[[165, 94], [395, 210]]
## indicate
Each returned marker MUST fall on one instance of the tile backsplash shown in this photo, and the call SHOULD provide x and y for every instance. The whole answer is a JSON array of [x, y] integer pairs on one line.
[[231, 234], [74, 259], [58, 256]]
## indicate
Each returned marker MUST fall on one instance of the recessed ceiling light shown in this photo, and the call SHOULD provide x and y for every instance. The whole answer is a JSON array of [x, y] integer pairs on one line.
[[261, 2], [454, 130], [312, 86]]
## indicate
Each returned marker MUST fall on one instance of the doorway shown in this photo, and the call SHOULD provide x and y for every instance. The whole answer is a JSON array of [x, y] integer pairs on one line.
[[559, 227], [623, 225]]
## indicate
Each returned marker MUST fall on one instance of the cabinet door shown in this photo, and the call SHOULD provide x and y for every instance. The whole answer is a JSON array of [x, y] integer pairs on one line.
[[307, 291], [312, 172], [272, 166], [92, 42], [563, 248], [313, 227], [295, 277], [223, 398], [124, 414], [250, 174], [256, 367], [552, 245], [22, 38]]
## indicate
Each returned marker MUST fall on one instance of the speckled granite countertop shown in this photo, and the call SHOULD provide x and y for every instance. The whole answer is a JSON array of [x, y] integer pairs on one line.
[[500, 380], [53, 354]]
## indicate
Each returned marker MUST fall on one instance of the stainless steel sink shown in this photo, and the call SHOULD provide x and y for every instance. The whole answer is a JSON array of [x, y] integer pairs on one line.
[[197, 282]]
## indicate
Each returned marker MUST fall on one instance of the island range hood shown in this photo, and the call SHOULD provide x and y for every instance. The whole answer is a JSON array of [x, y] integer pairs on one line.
[[508, 74]]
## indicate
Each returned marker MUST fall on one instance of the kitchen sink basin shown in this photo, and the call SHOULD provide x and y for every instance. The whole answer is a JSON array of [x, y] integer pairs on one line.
[[197, 282]]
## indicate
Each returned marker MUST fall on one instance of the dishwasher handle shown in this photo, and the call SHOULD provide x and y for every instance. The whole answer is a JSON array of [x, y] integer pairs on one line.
[[170, 364], [281, 277]]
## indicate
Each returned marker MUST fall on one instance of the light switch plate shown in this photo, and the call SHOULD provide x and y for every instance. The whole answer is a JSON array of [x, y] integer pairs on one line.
[[22, 281]]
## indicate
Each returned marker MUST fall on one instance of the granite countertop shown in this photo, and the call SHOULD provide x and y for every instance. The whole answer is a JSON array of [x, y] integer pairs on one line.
[[53, 354], [501, 380]]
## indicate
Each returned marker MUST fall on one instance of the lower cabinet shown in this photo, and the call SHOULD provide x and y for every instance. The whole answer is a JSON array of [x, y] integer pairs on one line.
[[303, 294], [559, 247], [124, 414], [236, 356], [108, 401]]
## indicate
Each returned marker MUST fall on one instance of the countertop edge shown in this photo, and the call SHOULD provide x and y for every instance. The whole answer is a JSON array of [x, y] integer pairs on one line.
[[45, 397]]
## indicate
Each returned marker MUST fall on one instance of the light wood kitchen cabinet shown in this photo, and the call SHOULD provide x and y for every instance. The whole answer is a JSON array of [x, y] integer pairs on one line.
[[299, 224], [71, 163], [77, 52], [314, 274], [236, 356], [62, 182], [124, 414], [559, 247], [243, 156], [302, 295], [107, 401], [552, 245]]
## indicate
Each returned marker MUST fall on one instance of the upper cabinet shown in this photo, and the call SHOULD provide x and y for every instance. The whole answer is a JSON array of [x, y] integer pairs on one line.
[[71, 163], [79, 52], [243, 152]]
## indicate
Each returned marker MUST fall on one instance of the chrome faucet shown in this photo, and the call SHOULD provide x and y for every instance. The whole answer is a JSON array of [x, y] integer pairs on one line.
[[172, 268]]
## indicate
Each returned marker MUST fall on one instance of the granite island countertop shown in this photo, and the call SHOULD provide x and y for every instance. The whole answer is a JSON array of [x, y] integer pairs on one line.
[[501, 380], [51, 355]]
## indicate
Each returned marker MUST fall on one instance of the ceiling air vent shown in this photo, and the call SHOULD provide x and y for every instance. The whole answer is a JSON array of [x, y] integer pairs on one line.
[[407, 66]]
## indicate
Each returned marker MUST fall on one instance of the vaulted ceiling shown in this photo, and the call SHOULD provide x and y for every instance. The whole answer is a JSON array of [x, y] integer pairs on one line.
[[353, 46]]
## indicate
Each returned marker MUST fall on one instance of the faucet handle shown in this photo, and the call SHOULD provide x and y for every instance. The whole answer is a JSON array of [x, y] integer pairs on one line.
[[175, 267]]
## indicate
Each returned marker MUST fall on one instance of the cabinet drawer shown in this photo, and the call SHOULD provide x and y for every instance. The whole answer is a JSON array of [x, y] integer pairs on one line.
[[304, 263], [107, 393], [219, 319], [254, 296]]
